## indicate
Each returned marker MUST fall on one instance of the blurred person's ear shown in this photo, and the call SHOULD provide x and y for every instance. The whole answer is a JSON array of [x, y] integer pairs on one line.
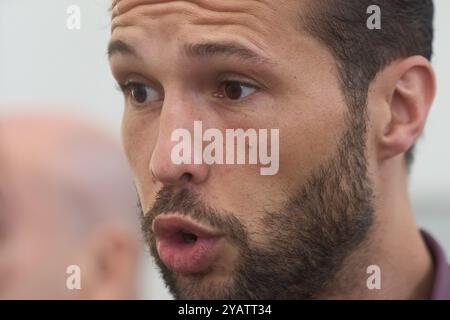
[[110, 265]]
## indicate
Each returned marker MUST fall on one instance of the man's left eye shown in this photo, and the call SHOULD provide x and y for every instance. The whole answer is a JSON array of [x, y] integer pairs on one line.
[[235, 90]]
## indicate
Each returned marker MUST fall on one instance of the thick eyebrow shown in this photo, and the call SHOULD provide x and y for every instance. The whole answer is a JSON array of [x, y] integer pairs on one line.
[[212, 49], [120, 47], [199, 50]]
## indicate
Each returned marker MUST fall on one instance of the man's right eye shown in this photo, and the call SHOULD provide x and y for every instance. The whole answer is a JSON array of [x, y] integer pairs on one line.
[[140, 94]]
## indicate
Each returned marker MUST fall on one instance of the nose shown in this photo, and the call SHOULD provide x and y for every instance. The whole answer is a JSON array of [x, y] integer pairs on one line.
[[175, 115]]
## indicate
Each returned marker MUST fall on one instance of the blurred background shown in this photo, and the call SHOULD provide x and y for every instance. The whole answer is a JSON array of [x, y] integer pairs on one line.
[[45, 67]]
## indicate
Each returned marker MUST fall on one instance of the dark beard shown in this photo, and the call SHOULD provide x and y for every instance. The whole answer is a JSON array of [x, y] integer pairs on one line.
[[306, 241]]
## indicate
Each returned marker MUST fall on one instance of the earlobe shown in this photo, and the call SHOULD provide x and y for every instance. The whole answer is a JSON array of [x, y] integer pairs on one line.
[[411, 100]]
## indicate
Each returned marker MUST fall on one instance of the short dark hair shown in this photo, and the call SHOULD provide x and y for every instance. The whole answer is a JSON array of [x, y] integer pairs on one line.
[[361, 53]]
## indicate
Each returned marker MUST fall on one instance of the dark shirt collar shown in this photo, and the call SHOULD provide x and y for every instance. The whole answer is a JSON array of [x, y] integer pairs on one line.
[[441, 285]]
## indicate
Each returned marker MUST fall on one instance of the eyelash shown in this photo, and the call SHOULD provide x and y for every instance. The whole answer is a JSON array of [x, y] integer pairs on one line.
[[128, 86], [125, 88]]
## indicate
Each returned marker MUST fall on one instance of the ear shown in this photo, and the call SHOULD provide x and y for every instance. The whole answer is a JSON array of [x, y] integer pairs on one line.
[[410, 87], [111, 262]]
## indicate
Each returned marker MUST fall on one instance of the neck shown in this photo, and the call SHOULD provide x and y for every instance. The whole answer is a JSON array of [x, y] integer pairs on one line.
[[394, 244]]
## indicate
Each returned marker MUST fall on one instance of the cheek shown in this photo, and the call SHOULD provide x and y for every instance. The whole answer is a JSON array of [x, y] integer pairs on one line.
[[313, 130], [130, 139], [139, 136]]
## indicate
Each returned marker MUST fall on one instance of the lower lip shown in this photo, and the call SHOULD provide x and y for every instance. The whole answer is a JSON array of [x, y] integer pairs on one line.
[[188, 258]]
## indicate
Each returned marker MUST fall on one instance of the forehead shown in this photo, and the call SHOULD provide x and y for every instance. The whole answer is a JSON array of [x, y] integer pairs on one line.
[[210, 10], [37, 153], [254, 20], [21, 162]]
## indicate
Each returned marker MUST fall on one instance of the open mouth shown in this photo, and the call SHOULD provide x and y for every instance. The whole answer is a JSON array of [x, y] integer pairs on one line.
[[185, 246], [187, 237]]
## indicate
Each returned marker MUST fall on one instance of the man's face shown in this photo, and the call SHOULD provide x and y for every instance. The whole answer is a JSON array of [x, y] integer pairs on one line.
[[240, 64]]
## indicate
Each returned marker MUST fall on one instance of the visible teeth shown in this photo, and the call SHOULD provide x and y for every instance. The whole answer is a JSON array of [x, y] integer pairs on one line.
[[188, 237]]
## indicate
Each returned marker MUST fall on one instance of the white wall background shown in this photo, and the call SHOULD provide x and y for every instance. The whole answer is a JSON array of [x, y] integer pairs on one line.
[[45, 66]]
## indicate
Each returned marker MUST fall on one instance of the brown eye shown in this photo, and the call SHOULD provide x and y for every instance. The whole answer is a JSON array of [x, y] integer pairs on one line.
[[140, 93], [234, 90]]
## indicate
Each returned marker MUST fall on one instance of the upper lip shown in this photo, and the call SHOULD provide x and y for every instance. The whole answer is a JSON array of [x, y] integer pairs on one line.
[[166, 225]]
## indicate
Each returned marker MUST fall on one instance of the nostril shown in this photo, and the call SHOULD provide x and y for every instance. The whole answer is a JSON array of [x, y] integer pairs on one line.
[[186, 177]]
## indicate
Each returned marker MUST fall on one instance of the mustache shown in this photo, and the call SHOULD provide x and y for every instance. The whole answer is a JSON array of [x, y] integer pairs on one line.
[[170, 199]]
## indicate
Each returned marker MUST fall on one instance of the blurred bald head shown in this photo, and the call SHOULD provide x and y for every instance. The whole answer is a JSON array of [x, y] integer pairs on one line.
[[68, 199]]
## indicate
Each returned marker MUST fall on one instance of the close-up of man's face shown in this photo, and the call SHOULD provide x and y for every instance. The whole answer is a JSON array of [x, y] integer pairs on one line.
[[225, 150], [223, 230]]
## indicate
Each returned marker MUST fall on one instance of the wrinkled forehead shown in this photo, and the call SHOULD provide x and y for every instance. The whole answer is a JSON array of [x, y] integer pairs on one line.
[[255, 7], [261, 17], [163, 30]]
